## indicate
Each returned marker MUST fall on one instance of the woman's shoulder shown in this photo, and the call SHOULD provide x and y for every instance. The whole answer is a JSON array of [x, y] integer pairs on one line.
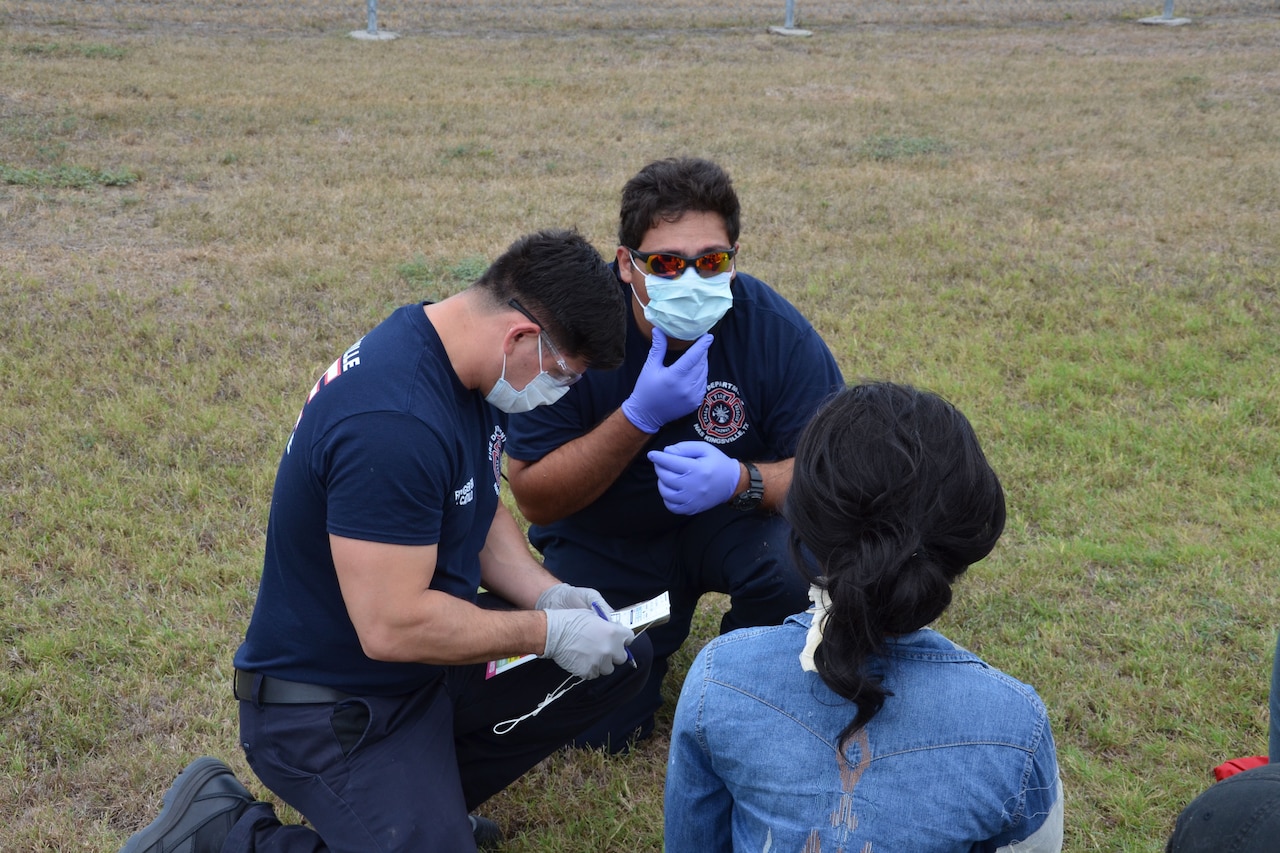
[[927, 664], [762, 637], [762, 649]]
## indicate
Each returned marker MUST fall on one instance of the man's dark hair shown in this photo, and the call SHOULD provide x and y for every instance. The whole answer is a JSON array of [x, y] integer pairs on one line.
[[560, 279], [668, 189]]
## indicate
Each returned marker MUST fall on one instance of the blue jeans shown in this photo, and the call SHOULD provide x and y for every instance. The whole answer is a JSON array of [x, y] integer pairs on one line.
[[376, 774]]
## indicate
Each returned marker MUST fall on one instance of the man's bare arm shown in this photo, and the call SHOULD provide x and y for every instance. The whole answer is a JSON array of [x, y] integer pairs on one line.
[[576, 473], [507, 566], [399, 618]]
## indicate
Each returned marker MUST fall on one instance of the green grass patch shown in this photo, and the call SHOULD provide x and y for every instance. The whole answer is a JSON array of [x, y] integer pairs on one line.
[[58, 49], [67, 177], [886, 148]]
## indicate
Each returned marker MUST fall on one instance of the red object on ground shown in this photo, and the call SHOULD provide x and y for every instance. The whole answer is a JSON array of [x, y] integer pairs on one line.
[[1237, 765]]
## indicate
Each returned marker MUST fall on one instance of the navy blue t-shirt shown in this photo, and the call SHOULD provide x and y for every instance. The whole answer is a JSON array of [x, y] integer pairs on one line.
[[389, 447], [768, 371]]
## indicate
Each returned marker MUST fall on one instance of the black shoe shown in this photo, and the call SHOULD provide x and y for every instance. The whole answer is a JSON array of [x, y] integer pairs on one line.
[[487, 834], [200, 808]]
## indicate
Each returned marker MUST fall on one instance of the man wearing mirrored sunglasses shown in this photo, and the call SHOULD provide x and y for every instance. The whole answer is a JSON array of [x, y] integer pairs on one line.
[[366, 699], [667, 473]]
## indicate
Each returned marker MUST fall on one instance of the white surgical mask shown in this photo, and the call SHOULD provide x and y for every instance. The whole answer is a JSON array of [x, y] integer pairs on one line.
[[821, 608], [542, 390], [687, 306]]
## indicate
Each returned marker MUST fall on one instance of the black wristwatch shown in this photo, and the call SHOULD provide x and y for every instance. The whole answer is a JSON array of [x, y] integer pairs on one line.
[[750, 498]]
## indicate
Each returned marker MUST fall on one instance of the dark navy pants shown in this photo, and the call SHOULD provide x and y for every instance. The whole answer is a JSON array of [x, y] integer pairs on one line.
[[744, 555], [381, 774]]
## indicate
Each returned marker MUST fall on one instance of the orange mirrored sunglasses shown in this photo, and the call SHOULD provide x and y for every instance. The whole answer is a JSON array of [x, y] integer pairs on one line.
[[670, 265]]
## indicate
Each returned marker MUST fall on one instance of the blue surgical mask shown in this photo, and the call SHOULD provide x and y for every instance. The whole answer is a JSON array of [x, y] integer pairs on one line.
[[686, 307], [542, 390]]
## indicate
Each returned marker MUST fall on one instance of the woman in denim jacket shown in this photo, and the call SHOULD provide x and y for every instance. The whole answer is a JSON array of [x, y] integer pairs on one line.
[[853, 726]]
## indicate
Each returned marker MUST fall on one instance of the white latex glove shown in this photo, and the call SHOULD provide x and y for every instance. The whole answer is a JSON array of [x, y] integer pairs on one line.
[[565, 597], [585, 644]]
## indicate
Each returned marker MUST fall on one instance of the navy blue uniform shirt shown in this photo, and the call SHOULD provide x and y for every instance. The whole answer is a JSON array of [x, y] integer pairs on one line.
[[389, 447]]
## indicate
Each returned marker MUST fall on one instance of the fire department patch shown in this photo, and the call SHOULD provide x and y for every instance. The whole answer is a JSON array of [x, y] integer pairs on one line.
[[723, 416], [497, 442]]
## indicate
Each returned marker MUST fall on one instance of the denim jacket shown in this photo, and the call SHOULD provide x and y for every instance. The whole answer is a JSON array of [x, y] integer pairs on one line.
[[960, 758]]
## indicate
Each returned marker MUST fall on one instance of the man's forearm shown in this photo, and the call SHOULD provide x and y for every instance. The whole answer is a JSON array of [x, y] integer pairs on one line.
[[576, 473], [434, 627], [507, 566], [399, 617], [777, 480]]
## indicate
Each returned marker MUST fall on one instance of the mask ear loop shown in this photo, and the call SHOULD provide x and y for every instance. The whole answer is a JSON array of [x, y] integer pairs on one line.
[[568, 684]]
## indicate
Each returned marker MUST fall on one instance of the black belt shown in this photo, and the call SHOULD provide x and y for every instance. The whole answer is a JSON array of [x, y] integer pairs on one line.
[[277, 691]]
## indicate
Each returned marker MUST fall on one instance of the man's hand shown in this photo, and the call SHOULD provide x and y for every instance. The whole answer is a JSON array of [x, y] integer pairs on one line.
[[663, 394], [584, 644], [694, 476], [565, 597]]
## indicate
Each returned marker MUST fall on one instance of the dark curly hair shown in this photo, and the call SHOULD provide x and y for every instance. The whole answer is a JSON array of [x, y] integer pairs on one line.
[[668, 189], [891, 500]]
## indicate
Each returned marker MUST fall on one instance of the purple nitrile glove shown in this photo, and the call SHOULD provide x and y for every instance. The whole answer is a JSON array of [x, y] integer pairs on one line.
[[694, 476], [662, 393]]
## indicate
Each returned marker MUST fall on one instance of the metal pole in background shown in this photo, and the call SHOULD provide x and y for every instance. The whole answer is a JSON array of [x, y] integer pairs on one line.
[[789, 28], [371, 32], [1167, 18]]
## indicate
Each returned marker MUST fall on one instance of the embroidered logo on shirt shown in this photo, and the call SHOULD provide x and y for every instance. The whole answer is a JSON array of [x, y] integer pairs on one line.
[[723, 416], [466, 494], [497, 442]]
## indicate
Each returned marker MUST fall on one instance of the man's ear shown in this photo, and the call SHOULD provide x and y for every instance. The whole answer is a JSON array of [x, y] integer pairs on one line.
[[625, 268], [516, 333]]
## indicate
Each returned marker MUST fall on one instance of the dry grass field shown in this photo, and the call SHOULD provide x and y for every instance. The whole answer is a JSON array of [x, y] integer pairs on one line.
[[1064, 220], [501, 19]]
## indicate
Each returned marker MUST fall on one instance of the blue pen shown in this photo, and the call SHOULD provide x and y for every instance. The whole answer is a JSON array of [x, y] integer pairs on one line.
[[596, 607]]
